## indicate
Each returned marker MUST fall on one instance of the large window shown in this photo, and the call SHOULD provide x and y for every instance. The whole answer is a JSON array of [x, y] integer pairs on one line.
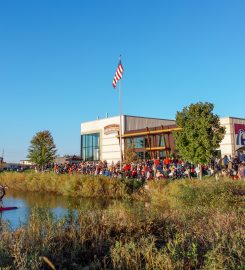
[[136, 142], [162, 154], [90, 147], [161, 140]]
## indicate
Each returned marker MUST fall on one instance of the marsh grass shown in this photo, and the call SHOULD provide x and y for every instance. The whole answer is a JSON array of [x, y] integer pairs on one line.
[[189, 224], [186, 194], [119, 239], [74, 185]]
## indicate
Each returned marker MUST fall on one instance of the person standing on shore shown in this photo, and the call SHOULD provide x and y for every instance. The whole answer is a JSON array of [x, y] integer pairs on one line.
[[2, 194]]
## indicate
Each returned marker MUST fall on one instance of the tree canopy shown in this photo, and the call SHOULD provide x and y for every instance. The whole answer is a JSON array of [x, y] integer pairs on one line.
[[42, 149], [201, 132], [130, 154]]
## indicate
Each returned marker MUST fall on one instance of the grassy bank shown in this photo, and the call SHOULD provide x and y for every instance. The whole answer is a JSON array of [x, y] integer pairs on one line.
[[189, 224], [207, 193], [74, 185]]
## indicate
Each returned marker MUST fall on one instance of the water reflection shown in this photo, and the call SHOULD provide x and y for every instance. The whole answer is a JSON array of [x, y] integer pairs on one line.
[[37, 199], [58, 205]]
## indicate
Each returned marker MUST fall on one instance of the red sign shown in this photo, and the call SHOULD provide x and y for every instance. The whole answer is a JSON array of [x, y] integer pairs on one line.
[[239, 134]]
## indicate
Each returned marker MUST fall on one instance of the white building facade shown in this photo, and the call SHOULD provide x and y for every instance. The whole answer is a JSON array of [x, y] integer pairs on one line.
[[233, 143]]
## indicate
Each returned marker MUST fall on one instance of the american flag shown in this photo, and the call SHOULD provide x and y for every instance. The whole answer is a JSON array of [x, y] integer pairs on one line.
[[118, 74]]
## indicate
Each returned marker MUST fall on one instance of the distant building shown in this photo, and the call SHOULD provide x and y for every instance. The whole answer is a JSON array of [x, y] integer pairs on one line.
[[67, 159], [61, 160], [26, 162]]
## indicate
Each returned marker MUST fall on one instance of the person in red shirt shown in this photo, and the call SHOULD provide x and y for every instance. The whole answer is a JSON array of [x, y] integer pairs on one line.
[[157, 161], [167, 161], [134, 173]]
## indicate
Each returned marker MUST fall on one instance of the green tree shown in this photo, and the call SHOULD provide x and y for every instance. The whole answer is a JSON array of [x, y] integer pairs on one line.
[[42, 150], [201, 133], [130, 154]]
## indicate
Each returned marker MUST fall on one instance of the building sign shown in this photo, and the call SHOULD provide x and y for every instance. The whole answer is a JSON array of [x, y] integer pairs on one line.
[[239, 135], [111, 129]]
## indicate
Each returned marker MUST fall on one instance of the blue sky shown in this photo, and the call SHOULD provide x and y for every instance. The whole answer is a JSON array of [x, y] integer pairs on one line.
[[58, 59]]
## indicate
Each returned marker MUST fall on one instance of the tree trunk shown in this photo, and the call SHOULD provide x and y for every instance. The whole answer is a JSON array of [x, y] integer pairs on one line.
[[200, 171]]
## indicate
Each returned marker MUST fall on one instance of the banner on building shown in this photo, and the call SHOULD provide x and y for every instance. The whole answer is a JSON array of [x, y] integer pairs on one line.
[[239, 136]]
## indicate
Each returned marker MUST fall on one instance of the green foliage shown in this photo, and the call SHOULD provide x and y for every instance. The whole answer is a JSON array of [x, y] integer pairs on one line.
[[133, 184], [130, 154], [201, 133], [204, 195], [42, 150]]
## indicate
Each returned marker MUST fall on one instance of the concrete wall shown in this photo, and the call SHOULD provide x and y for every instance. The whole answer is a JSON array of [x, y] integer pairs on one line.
[[109, 143], [228, 146]]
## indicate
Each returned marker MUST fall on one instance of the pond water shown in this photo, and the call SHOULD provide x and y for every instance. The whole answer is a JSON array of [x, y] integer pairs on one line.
[[59, 205], [25, 201]]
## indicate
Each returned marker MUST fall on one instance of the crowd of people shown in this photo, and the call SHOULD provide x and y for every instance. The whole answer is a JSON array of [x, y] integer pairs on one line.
[[167, 168]]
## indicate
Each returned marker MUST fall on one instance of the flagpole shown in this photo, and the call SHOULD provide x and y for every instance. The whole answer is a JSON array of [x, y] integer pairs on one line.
[[118, 77], [120, 109]]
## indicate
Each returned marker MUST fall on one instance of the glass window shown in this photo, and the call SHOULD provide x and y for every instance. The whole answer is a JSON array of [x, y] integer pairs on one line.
[[135, 142], [139, 142], [96, 154], [90, 146], [129, 143], [95, 140], [83, 153], [161, 140], [162, 154], [89, 155], [89, 141]]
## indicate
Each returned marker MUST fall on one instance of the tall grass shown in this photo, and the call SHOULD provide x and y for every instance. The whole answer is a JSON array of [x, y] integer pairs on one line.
[[186, 194], [73, 185], [120, 239]]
